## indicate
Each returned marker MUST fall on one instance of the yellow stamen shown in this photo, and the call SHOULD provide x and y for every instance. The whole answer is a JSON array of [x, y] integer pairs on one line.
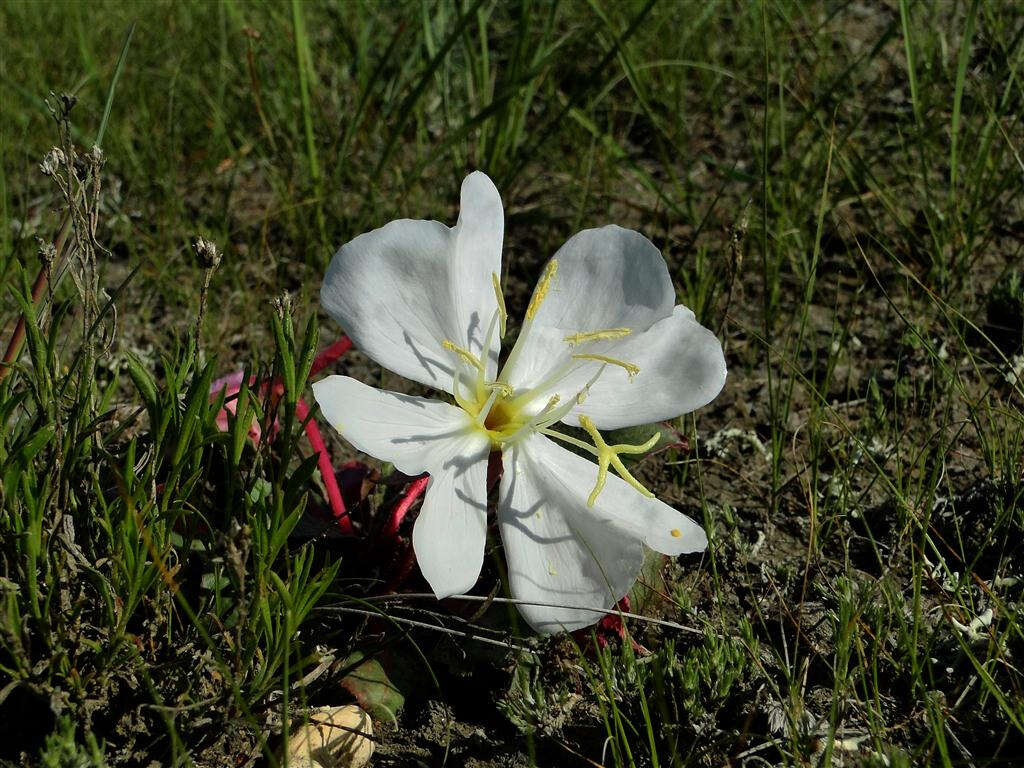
[[457, 394], [500, 298], [676, 533], [541, 291], [584, 337], [464, 353], [631, 370], [609, 455]]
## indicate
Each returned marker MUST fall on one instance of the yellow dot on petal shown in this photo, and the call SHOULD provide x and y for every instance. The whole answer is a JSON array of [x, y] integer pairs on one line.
[[676, 533]]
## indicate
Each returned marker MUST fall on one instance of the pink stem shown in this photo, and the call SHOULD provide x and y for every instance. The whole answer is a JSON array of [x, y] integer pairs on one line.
[[398, 514], [316, 442], [329, 355]]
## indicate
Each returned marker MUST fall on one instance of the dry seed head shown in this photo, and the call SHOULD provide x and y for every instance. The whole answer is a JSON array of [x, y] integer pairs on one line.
[[206, 251], [52, 162], [67, 102], [283, 304], [47, 252]]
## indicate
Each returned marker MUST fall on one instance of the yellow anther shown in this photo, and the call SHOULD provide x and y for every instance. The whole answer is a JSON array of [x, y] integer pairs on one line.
[[630, 369], [464, 353], [582, 394], [676, 533], [609, 455], [541, 291], [584, 337], [500, 298]]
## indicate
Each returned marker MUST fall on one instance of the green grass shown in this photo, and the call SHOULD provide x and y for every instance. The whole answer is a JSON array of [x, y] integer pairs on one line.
[[837, 189]]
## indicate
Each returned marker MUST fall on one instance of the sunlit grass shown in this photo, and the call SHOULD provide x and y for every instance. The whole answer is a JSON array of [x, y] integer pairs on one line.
[[836, 189]]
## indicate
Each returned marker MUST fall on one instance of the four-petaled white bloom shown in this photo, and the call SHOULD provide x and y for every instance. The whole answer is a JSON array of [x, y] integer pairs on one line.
[[603, 345]]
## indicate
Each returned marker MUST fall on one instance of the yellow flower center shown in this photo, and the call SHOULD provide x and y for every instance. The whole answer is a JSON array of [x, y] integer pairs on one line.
[[501, 417]]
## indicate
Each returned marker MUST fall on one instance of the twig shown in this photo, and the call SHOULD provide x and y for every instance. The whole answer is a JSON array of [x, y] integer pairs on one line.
[[466, 633], [513, 601]]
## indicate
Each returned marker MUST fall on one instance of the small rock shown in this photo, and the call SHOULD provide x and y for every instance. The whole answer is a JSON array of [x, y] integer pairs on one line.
[[334, 737]]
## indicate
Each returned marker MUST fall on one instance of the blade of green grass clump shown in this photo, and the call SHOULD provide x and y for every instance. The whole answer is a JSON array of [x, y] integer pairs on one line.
[[6, 235], [304, 66], [405, 110], [666, 144], [958, 92], [118, 69], [767, 270], [591, 78], [908, 50], [375, 80]]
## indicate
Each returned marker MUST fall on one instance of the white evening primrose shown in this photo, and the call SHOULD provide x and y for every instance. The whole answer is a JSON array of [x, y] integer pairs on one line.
[[603, 346]]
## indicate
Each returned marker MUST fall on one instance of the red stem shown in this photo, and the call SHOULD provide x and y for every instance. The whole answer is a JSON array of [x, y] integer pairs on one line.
[[42, 279], [316, 442], [416, 489]]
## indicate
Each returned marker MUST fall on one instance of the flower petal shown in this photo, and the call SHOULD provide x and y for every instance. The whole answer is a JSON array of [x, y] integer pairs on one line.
[[451, 530], [401, 290], [390, 290], [562, 553], [478, 238], [413, 433], [682, 368], [607, 278], [421, 435]]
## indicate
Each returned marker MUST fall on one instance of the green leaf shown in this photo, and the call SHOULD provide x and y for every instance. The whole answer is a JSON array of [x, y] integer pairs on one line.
[[374, 691], [146, 385]]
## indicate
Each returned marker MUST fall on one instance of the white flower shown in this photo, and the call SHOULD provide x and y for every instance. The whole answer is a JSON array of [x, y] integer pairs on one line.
[[603, 346]]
